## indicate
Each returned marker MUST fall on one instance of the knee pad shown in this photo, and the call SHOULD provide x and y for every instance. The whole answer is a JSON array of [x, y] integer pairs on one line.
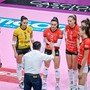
[[57, 73], [19, 71], [75, 72], [85, 70], [19, 66], [45, 71], [43, 46]]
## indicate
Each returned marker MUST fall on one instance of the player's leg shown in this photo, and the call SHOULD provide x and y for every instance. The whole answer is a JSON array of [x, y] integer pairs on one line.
[[70, 71], [75, 71]]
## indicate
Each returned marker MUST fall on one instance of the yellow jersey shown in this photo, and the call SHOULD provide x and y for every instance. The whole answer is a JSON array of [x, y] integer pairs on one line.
[[23, 37]]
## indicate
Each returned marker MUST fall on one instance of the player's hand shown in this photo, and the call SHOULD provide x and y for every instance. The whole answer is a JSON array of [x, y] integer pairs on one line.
[[15, 55], [80, 75], [78, 49], [51, 45]]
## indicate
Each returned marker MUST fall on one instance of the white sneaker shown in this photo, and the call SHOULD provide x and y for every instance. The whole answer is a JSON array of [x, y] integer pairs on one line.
[[75, 88], [71, 86], [21, 84], [57, 87], [44, 86]]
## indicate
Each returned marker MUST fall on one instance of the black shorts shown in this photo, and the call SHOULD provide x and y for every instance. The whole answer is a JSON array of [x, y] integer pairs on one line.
[[49, 52], [71, 53], [23, 51], [79, 67]]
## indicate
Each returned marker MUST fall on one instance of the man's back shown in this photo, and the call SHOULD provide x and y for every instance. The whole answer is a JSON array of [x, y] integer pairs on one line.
[[32, 61]]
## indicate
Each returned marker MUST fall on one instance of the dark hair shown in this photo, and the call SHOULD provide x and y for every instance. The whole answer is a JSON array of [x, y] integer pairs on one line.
[[56, 20], [87, 30], [23, 18], [74, 17], [36, 45], [87, 22]]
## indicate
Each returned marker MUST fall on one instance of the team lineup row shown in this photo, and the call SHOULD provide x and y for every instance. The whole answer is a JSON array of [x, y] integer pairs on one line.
[[54, 35], [77, 40]]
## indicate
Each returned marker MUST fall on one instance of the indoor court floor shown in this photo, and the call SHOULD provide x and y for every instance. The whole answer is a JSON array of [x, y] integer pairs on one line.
[[39, 19]]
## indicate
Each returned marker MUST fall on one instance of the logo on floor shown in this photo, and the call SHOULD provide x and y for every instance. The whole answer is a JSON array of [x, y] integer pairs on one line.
[[36, 25], [9, 75]]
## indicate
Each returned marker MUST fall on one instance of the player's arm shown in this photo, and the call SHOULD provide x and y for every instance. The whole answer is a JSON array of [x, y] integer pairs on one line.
[[65, 33], [60, 36], [46, 57], [84, 61], [45, 39], [43, 46], [78, 39], [31, 36], [58, 43], [14, 42], [78, 42], [53, 49]]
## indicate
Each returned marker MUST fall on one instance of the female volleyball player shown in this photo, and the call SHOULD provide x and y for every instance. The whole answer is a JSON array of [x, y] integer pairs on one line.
[[21, 45], [84, 57], [53, 35], [86, 23], [72, 39]]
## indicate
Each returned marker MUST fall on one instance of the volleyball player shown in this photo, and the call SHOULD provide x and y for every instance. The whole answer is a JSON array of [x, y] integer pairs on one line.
[[52, 35], [85, 23], [84, 57], [72, 45], [21, 45]]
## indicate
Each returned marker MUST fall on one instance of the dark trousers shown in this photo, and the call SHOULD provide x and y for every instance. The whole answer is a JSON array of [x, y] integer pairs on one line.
[[32, 80]]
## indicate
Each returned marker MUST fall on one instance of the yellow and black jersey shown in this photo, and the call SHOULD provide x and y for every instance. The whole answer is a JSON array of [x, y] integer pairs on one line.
[[23, 37]]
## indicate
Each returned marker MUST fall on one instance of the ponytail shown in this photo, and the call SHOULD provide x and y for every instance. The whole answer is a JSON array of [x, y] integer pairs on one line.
[[86, 22], [87, 30]]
